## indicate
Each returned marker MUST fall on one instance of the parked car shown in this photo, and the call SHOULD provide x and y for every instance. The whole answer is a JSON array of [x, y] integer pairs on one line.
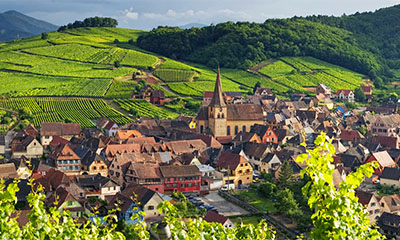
[[228, 187]]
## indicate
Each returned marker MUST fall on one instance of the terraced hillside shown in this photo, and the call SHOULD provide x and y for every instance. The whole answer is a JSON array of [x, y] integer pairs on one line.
[[81, 63]]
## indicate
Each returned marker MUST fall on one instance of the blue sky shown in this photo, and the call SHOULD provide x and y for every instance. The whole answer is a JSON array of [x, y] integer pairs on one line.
[[146, 14]]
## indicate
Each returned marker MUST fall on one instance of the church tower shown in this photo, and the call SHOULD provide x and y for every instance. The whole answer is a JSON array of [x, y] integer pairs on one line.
[[217, 111]]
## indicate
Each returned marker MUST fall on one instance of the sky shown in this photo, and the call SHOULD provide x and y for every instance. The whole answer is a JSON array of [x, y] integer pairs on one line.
[[147, 14]]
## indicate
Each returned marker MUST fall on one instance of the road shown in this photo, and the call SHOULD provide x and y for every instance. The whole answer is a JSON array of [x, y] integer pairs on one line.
[[224, 207]]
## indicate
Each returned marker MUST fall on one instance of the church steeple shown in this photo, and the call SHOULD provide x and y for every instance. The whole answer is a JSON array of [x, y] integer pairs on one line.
[[218, 99]]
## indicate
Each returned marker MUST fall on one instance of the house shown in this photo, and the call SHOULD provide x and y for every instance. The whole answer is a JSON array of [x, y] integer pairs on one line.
[[186, 178], [148, 199], [145, 174], [390, 177], [390, 203], [157, 97], [388, 142], [242, 137], [345, 95], [65, 201], [211, 179], [386, 125], [266, 133], [389, 225], [110, 127], [371, 203], [123, 135], [93, 164], [352, 136], [255, 153], [21, 165], [323, 89], [98, 186], [28, 147], [223, 119], [65, 130], [263, 92], [212, 216], [236, 169], [384, 160], [270, 163], [367, 90], [7, 170], [66, 160], [111, 150], [146, 92]]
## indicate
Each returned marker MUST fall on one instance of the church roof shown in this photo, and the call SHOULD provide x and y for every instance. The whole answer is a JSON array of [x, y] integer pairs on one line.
[[236, 112], [218, 99]]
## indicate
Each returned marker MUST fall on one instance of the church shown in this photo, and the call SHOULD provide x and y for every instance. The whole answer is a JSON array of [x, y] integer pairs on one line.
[[221, 119]]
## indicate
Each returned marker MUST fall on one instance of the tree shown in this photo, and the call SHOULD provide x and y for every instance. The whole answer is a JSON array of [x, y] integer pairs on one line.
[[44, 35], [267, 189], [285, 176], [286, 203], [337, 212], [257, 85], [359, 95]]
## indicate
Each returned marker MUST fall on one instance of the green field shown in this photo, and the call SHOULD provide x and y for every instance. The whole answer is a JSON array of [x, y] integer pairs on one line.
[[261, 203], [299, 72], [144, 108], [174, 75], [78, 110]]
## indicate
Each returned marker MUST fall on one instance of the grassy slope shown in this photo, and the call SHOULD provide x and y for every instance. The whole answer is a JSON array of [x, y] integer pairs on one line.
[[78, 61]]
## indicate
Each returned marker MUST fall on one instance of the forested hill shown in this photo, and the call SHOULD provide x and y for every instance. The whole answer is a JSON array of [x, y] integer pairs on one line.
[[378, 32], [15, 25], [245, 44]]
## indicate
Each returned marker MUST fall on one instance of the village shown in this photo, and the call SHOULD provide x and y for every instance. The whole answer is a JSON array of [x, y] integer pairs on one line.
[[221, 160]]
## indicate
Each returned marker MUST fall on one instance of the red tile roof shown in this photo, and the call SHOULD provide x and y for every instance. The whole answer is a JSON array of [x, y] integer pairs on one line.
[[346, 92], [212, 216], [230, 160]]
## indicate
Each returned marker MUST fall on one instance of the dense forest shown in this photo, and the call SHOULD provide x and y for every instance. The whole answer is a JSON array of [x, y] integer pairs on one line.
[[91, 22], [364, 42], [377, 32]]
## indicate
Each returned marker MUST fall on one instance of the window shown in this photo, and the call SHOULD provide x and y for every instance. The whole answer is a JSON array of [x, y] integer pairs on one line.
[[228, 130], [151, 207], [196, 184], [182, 185], [190, 185], [59, 168], [370, 212], [180, 179], [167, 185], [377, 211], [240, 171], [244, 128], [373, 204], [174, 185], [201, 129], [223, 115], [219, 115], [94, 168], [236, 130]]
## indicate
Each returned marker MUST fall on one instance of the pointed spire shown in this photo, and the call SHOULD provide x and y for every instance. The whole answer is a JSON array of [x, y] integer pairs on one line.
[[218, 99]]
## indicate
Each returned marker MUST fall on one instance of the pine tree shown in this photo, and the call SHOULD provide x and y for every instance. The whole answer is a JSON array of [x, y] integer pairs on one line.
[[285, 177]]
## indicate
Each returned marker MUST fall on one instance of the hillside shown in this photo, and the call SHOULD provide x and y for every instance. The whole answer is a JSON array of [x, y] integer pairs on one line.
[[378, 32], [15, 25], [80, 63], [245, 44]]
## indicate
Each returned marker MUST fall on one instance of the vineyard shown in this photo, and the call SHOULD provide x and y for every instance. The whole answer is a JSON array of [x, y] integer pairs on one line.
[[277, 69], [121, 89], [299, 72], [144, 108], [77, 110], [173, 75]]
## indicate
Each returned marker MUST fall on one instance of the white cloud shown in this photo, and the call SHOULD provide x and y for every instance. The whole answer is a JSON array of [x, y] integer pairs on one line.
[[130, 14]]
